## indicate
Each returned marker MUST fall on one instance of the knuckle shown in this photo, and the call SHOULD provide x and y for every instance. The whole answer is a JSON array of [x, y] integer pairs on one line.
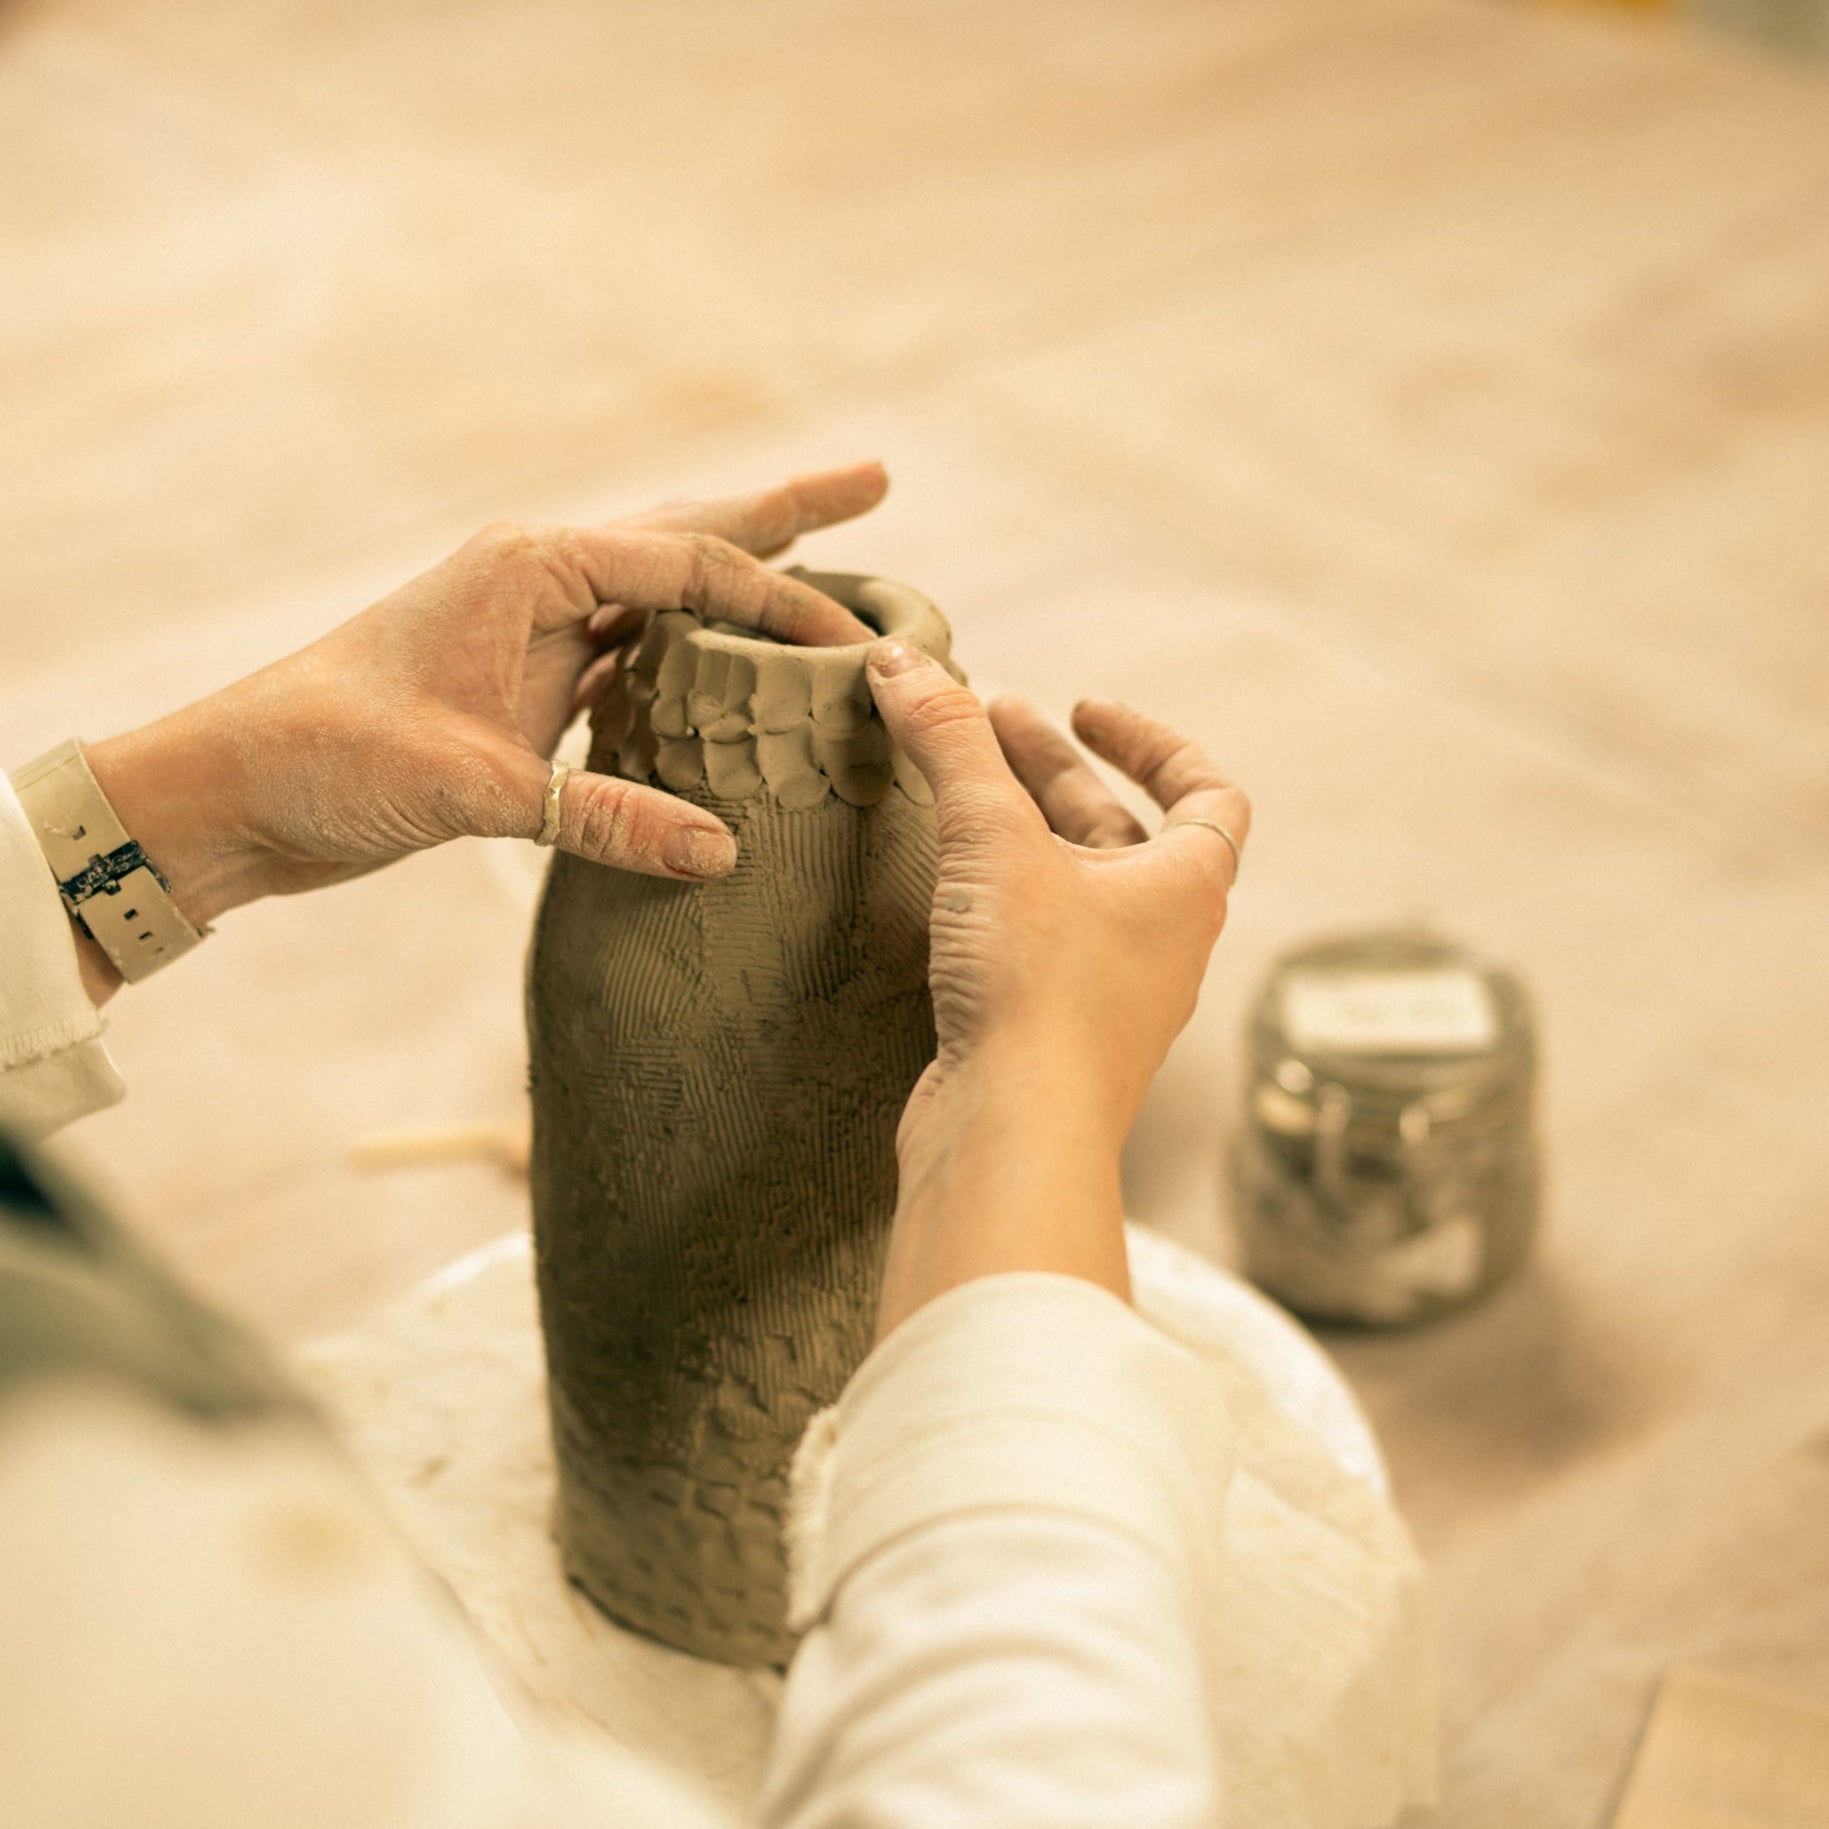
[[559, 546], [1154, 748], [607, 821], [973, 815], [972, 806], [708, 556], [1171, 753], [490, 791], [503, 542], [713, 552], [513, 548], [942, 707]]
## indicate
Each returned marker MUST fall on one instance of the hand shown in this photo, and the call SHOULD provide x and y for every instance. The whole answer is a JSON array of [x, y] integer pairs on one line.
[[1068, 950], [433, 714]]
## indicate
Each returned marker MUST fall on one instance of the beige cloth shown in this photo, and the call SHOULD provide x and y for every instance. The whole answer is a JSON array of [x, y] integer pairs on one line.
[[53, 1065]]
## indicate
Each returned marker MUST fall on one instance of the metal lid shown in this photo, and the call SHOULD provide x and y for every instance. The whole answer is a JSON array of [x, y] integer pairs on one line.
[[1393, 1014]]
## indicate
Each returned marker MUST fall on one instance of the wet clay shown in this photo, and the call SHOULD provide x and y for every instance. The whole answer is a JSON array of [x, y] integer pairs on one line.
[[717, 1072]]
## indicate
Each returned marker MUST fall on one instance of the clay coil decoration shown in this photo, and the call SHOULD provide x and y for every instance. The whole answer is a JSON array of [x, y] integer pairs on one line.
[[717, 1073]]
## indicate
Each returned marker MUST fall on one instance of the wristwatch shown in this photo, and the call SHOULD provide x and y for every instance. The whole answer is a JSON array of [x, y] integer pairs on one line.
[[111, 887]]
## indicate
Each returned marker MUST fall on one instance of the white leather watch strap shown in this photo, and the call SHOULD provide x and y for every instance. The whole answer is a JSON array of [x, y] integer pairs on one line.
[[107, 882]]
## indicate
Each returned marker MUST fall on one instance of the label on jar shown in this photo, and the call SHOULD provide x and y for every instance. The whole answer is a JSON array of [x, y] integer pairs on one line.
[[1445, 1011]]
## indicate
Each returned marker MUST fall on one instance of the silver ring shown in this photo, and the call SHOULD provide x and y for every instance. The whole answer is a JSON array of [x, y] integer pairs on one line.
[[1213, 825], [548, 833]]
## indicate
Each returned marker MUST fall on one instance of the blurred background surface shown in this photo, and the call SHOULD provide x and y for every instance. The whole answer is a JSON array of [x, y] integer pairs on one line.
[[1425, 403], [1794, 26]]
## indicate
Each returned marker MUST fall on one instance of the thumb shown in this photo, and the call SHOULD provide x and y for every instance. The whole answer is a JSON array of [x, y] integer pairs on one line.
[[608, 820], [941, 725]]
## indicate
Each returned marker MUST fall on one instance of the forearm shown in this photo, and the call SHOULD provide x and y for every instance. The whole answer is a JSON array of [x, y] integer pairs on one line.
[[1015, 1168], [177, 786]]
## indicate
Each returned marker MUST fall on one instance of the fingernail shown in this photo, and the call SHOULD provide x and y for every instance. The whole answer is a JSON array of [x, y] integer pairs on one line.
[[888, 658], [695, 851]]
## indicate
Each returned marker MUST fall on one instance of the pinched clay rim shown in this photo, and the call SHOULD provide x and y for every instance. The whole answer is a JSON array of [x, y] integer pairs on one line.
[[737, 713]]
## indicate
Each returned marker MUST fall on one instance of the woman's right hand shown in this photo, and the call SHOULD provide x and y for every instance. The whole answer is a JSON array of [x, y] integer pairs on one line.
[[1068, 949]]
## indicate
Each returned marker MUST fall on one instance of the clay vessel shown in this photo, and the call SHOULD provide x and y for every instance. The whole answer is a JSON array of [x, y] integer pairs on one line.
[[717, 1074]]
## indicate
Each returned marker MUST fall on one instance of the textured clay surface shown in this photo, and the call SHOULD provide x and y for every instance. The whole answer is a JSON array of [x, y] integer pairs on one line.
[[717, 1075]]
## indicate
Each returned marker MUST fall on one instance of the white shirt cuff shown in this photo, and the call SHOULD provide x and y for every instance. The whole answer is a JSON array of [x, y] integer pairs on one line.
[[53, 1065]]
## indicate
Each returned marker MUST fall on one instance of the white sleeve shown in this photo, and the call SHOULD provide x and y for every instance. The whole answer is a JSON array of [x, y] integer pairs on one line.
[[1000, 1538], [53, 1065], [204, 1626]]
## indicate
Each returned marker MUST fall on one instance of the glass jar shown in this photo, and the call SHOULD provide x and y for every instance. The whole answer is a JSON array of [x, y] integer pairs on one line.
[[1385, 1167]]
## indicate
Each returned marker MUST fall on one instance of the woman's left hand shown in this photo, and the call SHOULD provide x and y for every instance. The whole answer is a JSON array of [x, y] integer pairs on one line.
[[433, 714]]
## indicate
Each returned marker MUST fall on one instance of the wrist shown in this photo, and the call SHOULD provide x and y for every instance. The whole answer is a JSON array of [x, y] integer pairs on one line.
[[1008, 1162], [1022, 1080], [172, 784]]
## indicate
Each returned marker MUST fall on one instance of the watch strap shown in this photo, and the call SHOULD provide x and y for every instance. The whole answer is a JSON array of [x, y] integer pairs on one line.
[[107, 882]]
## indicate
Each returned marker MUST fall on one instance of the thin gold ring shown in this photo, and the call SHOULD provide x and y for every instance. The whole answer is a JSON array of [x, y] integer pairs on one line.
[[1213, 825], [548, 833]]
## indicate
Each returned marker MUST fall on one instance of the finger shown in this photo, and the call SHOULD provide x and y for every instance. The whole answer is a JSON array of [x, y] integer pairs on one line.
[[594, 682], [613, 625], [698, 571], [765, 522], [1176, 773], [948, 737], [1165, 764], [1075, 802], [625, 825]]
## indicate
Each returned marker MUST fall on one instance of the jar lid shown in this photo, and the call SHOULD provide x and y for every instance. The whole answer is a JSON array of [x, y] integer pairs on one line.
[[1400, 1012]]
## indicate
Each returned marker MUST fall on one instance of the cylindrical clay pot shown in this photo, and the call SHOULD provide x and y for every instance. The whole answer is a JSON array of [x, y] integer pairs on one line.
[[717, 1072]]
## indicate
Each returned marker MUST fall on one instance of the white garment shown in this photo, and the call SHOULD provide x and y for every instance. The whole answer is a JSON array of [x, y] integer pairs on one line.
[[1002, 1545], [208, 1627], [53, 1066]]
